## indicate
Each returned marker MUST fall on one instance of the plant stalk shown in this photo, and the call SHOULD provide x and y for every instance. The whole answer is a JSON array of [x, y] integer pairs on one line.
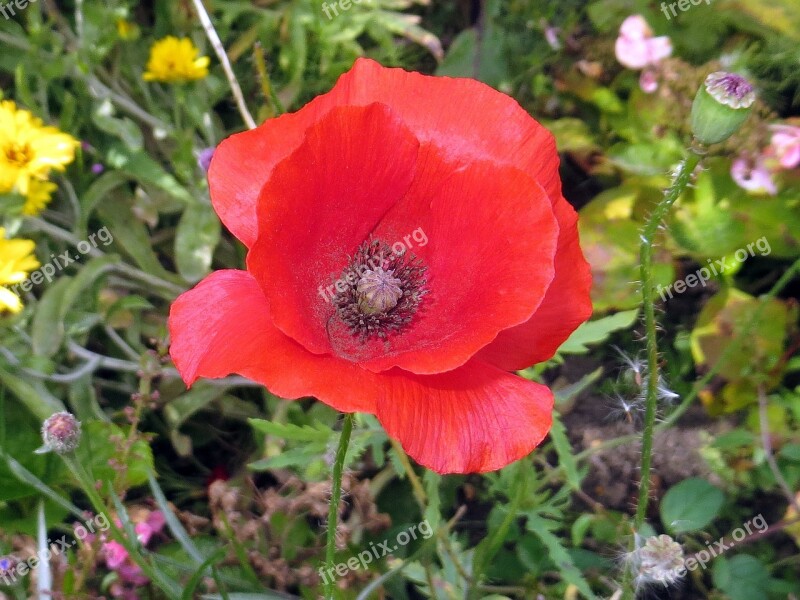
[[336, 496]]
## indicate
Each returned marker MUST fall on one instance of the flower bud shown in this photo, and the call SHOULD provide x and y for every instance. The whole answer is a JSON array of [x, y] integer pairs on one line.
[[720, 107], [61, 433], [7, 566], [204, 157]]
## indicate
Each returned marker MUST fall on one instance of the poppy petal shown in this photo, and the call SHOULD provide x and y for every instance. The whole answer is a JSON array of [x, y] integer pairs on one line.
[[243, 162], [473, 419], [318, 207], [223, 326], [465, 118], [451, 113], [490, 242], [566, 305]]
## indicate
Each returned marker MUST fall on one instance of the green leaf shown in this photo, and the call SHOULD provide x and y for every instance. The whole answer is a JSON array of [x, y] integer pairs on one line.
[[743, 577], [559, 554], [296, 457], [690, 505], [132, 236], [195, 240], [47, 329], [34, 396], [466, 52], [594, 332], [48, 322], [563, 448], [97, 448], [98, 191], [140, 167], [287, 431], [188, 403], [123, 128]]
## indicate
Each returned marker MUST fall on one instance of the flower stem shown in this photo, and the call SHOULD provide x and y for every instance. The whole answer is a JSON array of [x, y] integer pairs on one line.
[[678, 186], [648, 298], [336, 495], [167, 585]]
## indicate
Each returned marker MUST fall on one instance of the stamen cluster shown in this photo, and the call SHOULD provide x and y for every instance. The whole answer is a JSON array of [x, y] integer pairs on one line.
[[383, 290]]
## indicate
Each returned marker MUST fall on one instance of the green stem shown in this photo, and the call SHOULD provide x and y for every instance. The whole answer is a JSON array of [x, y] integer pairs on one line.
[[168, 586], [416, 485], [648, 299], [336, 496]]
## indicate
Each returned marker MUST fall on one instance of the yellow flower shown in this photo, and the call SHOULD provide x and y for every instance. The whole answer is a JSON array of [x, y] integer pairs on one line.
[[175, 60], [16, 261], [127, 30], [28, 149], [38, 197]]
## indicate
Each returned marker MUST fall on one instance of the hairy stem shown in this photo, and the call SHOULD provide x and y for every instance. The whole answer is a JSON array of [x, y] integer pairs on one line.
[[648, 299], [336, 496], [678, 186]]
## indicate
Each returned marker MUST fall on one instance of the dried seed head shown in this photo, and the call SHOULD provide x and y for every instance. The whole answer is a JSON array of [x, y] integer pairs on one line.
[[659, 560]]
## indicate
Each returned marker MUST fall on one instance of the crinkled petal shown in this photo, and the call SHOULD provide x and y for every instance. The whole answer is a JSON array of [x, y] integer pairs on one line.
[[473, 419], [223, 326], [566, 305], [465, 118], [318, 207], [490, 238]]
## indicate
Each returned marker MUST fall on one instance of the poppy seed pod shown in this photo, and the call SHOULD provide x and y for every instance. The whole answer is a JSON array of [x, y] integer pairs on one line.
[[720, 107]]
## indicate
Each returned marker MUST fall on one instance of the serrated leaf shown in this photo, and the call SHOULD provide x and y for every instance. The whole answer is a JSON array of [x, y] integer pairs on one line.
[[558, 554], [566, 458]]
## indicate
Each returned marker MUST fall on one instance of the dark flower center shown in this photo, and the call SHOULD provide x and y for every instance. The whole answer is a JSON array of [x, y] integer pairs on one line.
[[382, 290]]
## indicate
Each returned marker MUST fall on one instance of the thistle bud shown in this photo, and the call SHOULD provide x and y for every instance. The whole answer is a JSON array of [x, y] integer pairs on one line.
[[61, 433], [720, 107]]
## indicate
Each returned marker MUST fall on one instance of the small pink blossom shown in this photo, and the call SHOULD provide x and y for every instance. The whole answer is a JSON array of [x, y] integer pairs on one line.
[[648, 81], [636, 48], [786, 145], [756, 178], [115, 554], [129, 574], [551, 35]]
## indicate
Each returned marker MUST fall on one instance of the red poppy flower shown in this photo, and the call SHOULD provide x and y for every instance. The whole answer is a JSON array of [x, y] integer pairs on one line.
[[408, 247]]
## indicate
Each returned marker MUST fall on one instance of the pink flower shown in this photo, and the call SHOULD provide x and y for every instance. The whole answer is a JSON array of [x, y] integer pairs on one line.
[[755, 178], [636, 48], [648, 81], [115, 554], [786, 145], [129, 575], [145, 530]]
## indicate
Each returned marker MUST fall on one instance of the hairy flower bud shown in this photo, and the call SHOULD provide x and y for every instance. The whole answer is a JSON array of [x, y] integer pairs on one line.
[[61, 433], [720, 107]]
